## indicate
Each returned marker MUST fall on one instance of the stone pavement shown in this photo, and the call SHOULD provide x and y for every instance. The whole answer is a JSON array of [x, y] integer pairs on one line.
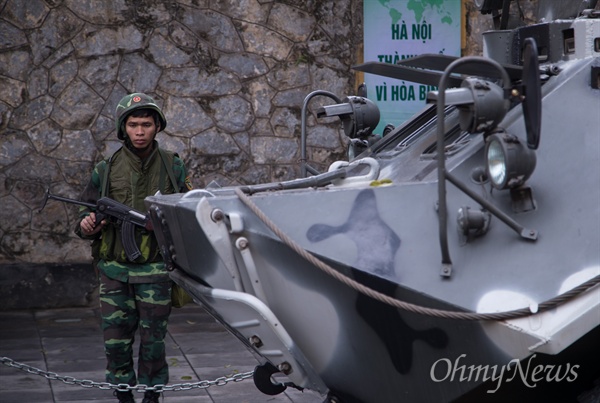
[[68, 342]]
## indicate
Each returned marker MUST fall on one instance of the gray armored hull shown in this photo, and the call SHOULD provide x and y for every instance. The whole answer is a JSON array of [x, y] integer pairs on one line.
[[353, 286]]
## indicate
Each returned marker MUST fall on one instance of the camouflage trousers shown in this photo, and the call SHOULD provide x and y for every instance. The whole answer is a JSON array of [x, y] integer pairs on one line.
[[125, 308]]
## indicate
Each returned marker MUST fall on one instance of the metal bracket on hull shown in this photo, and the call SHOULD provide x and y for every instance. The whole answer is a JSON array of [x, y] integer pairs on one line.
[[444, 175], [304, 167], [242, 245], [218, 236], [253, 322]]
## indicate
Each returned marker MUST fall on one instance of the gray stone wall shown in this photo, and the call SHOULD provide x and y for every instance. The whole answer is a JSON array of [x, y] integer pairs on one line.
[[231, 77]]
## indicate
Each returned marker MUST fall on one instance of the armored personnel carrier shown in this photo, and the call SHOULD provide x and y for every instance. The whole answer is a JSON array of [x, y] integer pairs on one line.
[[455, 258]]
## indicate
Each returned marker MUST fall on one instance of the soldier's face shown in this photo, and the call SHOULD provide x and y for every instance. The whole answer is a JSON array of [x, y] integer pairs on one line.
[[141, 131]]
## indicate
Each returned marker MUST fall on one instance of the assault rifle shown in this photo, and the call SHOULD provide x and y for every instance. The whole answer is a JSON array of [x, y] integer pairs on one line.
[[119, 214]]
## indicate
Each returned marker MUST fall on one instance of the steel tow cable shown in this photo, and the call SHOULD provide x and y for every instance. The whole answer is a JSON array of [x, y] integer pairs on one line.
[[407, 306]]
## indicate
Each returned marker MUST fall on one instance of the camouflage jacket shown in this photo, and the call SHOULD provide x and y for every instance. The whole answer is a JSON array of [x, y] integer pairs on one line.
[[128, 179]]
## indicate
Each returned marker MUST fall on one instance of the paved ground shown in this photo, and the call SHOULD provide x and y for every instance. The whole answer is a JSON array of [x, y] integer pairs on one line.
[[68, 342]]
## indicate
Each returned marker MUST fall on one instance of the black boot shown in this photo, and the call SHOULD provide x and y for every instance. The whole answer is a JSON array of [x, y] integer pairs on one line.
[[124, 397], [151, 397]]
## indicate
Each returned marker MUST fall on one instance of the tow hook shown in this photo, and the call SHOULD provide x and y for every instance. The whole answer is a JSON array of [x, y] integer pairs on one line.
[[264, 383]]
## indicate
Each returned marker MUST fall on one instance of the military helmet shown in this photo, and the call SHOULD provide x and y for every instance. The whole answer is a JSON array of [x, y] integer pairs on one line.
[[132, 102]]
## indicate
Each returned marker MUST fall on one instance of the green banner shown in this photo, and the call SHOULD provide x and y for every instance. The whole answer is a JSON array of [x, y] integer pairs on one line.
[[399, 29]]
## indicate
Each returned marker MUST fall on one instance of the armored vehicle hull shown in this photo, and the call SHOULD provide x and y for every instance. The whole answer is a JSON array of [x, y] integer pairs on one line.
[[402, 276]]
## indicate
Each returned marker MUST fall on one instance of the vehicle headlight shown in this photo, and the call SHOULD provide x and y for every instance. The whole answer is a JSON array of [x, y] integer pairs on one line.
[[496, 163], [359, 115], [508, 163]]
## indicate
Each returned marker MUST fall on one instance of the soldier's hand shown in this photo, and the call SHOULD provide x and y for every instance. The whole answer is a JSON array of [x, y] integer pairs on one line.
[[88, 225]]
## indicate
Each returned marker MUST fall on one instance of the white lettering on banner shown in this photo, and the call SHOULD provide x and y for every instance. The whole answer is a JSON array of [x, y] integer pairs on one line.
[[419, 31], [396, 30], [404, 92]]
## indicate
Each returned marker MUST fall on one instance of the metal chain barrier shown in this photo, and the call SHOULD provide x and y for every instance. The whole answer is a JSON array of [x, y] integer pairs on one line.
[[407, 306], [123, 387]]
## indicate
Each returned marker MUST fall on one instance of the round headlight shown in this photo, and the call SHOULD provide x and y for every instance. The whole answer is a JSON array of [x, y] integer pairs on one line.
[[496, 163], [364, 118], [488, 106], [508, 163]]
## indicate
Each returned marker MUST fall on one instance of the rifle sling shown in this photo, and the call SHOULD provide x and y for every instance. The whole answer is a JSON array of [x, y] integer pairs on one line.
[[168, 167]]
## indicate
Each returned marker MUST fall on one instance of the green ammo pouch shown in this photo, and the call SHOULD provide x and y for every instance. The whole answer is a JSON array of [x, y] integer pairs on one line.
[[179, 297]]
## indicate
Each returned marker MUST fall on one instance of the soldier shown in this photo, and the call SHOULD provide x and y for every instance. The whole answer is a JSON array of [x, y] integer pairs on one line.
[[133, 294]]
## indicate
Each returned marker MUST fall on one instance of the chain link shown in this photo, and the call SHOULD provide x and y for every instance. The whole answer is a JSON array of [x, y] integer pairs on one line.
[[123, 387]]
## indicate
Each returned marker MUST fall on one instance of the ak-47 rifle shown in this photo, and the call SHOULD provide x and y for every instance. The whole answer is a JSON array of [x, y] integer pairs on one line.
[[118, 213]]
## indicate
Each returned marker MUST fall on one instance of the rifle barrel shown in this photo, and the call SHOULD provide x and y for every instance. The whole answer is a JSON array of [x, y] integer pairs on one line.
[[65, 200], [72, 201]]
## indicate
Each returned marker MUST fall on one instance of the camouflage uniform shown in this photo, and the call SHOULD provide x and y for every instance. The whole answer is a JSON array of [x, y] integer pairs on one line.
[[124, 307], [134, 295]]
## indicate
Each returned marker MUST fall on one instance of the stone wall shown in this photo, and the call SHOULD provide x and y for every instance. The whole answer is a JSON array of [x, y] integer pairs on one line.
[[231, 76]]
